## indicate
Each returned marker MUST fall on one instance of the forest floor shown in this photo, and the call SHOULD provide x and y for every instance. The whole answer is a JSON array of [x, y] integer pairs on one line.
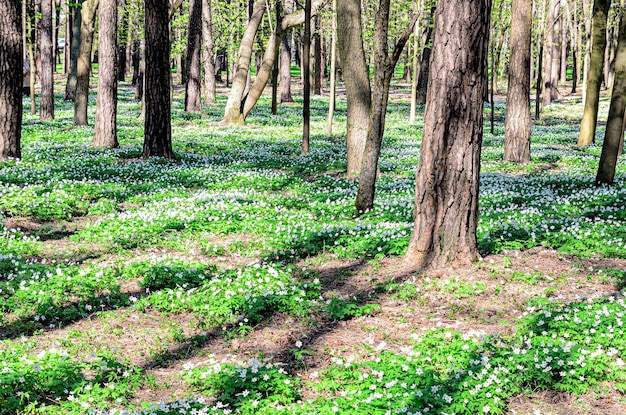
[[160, 281]]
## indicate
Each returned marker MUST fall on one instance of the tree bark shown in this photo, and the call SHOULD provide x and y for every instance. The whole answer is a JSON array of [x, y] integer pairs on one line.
[[285, 70], [192, 62], [105, 134], [517, 124], [358, 90], [615, 123], [594, 77], [333, 71], [306, 67], [424, 60], [209, 62], [11, 79], [70, 87], [158, 124], [83, 68], [447, 180], [318, 74], [549, 51], [46, 52]]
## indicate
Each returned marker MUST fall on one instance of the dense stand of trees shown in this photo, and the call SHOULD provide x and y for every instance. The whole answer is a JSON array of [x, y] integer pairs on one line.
[[545, 48]]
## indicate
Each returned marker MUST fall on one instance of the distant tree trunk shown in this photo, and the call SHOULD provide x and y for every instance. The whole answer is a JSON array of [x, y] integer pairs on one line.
[[70, 87], [48, 59], [81, 99], [414, 78], [424, 61], [446, 195], [358, 90], [614, 133], [209, 62], [31, 62], [233, 113], [563, 44], [306, 67], [192, 64], [284, 71], [556, 52], [317, 53], [158, 124], [105, 134], [594, 79], [517, 125], [11, 79], [551, 55], [333, 71]]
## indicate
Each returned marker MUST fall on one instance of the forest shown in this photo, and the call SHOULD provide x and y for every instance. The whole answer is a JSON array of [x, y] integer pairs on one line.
[[312, 207]]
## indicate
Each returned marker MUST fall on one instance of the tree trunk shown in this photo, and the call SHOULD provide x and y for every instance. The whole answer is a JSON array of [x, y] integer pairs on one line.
[[594, 78], [317, 57], [192, 63], [11, 79], [233, 113], [550, 59], [358, 90], [306, 68], [105, 134], [615, 123], [384, 66], [285, 70], [447, 180], [517, 125], [424, 61], [209, 62], [563, 43], [83, 68], [414, 78], [46, 51], [70, 87], [158, 124], [333, 71]]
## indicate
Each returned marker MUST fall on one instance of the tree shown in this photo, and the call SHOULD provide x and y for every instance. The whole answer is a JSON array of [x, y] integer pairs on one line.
[[517, 123], [424, 60], [384, 66], [46, 107], [105, 134], [446, 195], [11, 78], [594, 77], [158, 124], [70, 86], [209, 62], [306, 67], [614, 133], [83, 69], [192, 63], [357, 81]]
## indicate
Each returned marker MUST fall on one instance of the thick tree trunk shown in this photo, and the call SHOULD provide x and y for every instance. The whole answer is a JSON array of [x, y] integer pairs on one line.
[[158, 124], [46, 52], [447, 180], [615, 123], [209, 62], [192, 64], [70, 87], [358, 90], [517, 125], [83, 68], [233, 113], [284, 71], [594, 78], [105, 134], [11, 78]]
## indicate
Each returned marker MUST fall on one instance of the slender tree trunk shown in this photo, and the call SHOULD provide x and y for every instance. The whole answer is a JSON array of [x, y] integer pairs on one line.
[[70, 88], [563, 44], [588, 7], [549, 58], [158, 124], [209, 62], [11, 79], [31, 62], [358, 90], [594, 80], [306, 68], [614, 133], [556, 51], [414, 78], [105, 134], [69, 20], [424, 63], [83, 68], [317, 54], [192, 64], [333, 71], [285, 70], [46, 50], [446, 196], [517, 124]]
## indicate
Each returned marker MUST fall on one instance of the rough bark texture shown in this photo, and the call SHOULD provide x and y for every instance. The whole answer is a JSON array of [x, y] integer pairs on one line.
[[594, 77], [81, 99], [284, 71], [74, 45], [158, 125], [47, 56], [105, 134], [209, 62], [233, 112], [517, 125], [615, 123], [11, 78], [192, 62], [447, 180], [356, 76]]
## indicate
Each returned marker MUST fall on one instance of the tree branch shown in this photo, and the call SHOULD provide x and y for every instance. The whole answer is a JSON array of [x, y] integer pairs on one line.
[[397, 50]]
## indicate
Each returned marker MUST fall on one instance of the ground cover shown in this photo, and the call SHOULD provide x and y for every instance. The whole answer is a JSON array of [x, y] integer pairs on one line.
[[239, 278]]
